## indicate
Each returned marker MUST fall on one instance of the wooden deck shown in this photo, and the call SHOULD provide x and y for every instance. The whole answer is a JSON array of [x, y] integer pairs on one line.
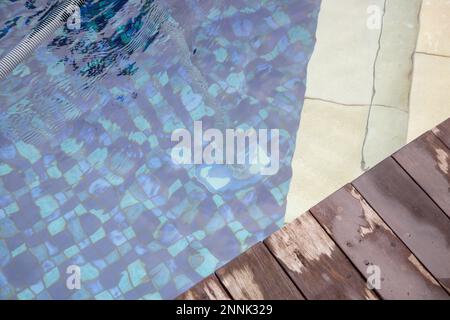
[[395, 217]]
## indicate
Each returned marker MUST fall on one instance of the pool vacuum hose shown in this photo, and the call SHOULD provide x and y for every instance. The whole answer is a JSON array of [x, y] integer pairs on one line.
[[43, 31]]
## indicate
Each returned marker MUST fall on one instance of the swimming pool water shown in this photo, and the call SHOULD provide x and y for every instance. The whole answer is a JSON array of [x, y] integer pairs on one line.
[[86, 175]]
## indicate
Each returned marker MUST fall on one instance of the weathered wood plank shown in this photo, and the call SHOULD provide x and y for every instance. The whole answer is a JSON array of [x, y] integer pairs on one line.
[[368, 241], [315, 263], [256, 275], [411, 214], [442, 131], [209, 289], [427, 160]]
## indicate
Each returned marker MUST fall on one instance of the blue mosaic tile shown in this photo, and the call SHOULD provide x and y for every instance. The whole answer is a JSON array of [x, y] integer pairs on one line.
[[86, 176]]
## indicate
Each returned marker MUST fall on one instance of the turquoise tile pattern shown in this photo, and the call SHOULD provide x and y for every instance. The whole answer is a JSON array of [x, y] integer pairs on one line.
[[86, 177]]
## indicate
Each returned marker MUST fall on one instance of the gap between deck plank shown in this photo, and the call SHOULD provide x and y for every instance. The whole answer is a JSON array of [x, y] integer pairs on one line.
[[315, 263], [410, 213], [208, 289], [442, 131], [256, 275], [427, 161], [368, 241]]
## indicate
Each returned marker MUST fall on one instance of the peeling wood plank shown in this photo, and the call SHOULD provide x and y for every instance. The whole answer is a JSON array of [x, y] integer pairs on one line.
[[315, 263], [427, 160], [367, 241], [256, 275], [208, 289], [412, 215], [442, 131]]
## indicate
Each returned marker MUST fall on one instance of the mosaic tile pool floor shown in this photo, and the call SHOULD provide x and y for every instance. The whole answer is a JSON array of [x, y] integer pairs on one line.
[[86, 177]]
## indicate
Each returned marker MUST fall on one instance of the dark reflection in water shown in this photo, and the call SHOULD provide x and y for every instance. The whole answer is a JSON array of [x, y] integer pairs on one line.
[[121, 29], [110, 33]]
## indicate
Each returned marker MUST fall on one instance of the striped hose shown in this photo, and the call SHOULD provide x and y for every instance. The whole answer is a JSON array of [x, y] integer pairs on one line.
[[43, 31]]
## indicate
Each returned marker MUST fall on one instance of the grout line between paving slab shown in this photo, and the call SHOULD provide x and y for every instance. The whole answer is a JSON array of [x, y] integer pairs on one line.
[[353, 104], [433, 54], [374, 91]]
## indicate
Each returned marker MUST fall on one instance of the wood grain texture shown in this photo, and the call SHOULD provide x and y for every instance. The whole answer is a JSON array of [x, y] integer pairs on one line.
[[367, 241], [256, 275], [427, 160], [315, 263], [411, 214], [442, 131], [208, 289]]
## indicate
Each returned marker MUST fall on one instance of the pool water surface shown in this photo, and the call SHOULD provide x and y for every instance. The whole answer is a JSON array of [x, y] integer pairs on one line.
[[87, 180]]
